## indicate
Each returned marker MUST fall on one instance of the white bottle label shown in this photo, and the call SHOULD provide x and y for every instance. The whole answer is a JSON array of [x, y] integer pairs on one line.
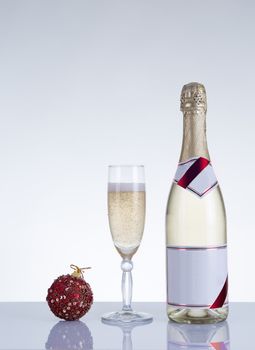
[[196, 175], [197, 277]]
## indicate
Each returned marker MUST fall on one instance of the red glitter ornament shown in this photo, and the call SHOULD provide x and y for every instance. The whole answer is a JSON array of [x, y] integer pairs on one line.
[[70, 296]]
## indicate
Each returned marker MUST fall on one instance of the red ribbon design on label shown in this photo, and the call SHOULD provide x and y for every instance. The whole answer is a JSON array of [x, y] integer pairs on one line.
[[193, 171], [219, 301], [219, 346]]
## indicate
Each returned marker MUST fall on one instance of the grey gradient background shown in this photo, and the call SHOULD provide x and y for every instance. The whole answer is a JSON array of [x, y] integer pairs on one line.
[[84, 84]]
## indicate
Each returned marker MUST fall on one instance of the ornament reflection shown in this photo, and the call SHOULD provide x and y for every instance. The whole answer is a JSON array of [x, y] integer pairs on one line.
[[69, 335], [193, 336]]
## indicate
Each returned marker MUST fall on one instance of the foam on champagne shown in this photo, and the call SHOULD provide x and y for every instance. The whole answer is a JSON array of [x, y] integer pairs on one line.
[[126, 187]]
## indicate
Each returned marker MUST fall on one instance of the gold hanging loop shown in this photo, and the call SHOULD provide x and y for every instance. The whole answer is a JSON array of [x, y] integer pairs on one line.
[[78, 271]]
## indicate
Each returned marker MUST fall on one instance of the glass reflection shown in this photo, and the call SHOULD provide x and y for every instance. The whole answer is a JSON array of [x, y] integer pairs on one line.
[[69, 335], [204, 337], [127, 332]]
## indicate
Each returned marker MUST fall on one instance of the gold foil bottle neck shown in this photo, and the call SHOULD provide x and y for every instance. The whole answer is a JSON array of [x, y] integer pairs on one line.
[[193, 98]]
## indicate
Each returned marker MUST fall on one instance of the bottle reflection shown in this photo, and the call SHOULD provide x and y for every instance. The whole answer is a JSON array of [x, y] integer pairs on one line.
[[204, 337], [69, 335], [127, 332]]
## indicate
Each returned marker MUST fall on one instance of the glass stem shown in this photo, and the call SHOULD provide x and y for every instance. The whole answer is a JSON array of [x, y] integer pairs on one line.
[[127, 284]]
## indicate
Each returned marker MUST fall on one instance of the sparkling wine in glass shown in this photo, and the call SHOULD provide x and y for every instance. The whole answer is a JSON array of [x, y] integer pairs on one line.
[[126, 212]]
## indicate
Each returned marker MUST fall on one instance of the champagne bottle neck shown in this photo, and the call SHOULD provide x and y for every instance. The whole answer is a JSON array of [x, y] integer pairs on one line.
[[194, 143]]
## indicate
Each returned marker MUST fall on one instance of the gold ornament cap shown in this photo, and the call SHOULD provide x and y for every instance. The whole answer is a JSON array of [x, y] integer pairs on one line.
[[193, 98], [78, 271]]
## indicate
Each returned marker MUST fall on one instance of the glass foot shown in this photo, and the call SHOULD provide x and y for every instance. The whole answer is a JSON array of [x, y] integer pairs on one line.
[[126, 317]]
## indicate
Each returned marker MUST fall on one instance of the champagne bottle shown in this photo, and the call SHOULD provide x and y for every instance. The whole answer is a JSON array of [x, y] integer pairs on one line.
[[196, 239]]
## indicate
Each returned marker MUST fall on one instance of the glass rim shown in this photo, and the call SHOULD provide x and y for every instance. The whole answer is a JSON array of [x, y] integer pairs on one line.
[[126, 166]]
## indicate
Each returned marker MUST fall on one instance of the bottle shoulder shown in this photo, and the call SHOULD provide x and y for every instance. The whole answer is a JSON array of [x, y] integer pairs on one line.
[[188, 198]]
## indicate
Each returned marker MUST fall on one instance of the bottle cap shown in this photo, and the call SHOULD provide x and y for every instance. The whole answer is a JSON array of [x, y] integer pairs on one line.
[[193, 98]]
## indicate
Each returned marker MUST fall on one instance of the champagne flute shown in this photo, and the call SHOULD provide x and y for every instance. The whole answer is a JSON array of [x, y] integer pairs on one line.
[[126, 213]]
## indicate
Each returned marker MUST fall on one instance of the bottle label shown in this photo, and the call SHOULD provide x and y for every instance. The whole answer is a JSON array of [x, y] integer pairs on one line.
[[197, 277], [196, 175]]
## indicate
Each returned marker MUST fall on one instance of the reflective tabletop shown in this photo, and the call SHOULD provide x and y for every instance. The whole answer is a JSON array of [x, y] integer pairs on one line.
[[33, 326]]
